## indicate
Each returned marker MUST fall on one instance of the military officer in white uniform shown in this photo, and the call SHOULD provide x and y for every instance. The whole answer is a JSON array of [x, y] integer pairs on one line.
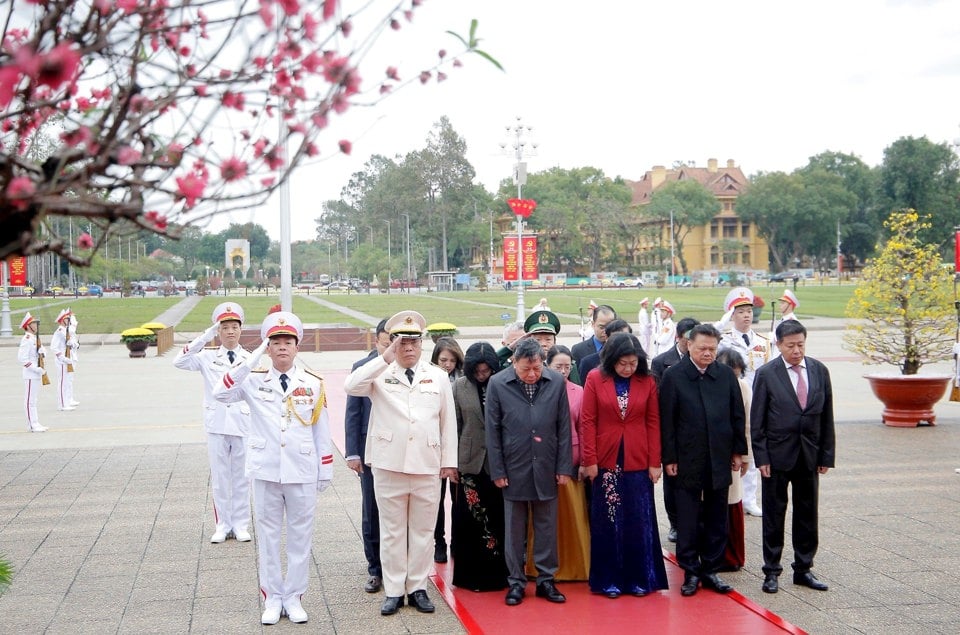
[[226, 425], [659, 334], [30, 355], [787, 304], [289, 458], [62, 344], [411, 445], [755, 351]]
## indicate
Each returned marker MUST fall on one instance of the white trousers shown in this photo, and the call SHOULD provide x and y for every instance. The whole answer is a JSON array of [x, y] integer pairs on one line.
[[231, 489], [408, 506], [65, 386], [270, 501], [31, 388], [751, 481]]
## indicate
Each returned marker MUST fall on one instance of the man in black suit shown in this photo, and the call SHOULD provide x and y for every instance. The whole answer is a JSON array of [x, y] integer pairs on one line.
[[791, 426], [659, 364], [592, 360], [602, 315], [702, 441], [356, 418]]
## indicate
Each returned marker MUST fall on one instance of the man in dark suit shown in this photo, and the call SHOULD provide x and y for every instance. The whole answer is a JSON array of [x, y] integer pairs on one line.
[[602, 315], [356, 418], [791, 426], [660, 363], [702, 441], [592, 360], [527, 426]]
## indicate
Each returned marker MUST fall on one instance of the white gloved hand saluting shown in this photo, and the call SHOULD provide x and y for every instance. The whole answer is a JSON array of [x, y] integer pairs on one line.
[[725, 320], [254, 360], [211, 332]]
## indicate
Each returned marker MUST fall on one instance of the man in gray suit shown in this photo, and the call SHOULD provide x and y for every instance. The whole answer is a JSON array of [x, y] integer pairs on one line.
[[527, 423], [791, 426]]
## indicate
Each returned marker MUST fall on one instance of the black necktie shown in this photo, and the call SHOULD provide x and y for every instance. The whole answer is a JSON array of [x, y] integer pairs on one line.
[[283, 382], [231, 355], [746, 339], [409, 373]]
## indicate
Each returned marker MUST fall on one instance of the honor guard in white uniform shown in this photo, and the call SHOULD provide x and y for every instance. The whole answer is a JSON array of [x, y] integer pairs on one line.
[[63, 345], [411, 445], [755, 351], [657, 332], [30, 355], [289, 458], [226, 425], [786, 304]]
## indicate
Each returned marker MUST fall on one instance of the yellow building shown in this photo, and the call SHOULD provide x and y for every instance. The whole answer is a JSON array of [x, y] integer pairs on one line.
[[725, 244]]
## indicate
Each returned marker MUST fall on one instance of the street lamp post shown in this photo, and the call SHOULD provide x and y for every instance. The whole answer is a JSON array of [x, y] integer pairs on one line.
[[520, 148], [407, 277], [6, 329], [388, 255]]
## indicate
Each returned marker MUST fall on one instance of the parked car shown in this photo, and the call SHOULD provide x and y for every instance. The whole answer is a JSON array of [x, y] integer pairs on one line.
[[339, 285], [94, 289], [631, 282], [785, 276]]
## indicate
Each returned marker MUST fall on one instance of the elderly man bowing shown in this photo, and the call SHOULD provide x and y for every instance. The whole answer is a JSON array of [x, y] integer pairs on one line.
[[411, 445]]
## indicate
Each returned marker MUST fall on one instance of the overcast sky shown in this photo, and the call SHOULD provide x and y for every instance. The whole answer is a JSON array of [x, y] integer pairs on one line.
[[623, 86]]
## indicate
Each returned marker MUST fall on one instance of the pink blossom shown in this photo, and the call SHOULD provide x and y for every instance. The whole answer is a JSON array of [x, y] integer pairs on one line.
[[174, 153], [425, 77], [310, 25], [457, 63], [312, 62], [80, 136], [200, 90], [127, 155], [441, 76], [9, 79], [290, 7], [190, 188], [127, 6], [266, 14], [19, 191], [393, 74], [345, 146], [232, 100], [84, 241], [408, 15], [268, 181], [442, 53], [233, 169], [346, 27], [312, 150], [155, 218], [329, 8], [274, 158]]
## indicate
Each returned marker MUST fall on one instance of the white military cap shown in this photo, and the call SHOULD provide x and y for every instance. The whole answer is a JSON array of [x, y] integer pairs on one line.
[[740, 296], [789, 296], [407, 324], [281, 323], [226, 311]]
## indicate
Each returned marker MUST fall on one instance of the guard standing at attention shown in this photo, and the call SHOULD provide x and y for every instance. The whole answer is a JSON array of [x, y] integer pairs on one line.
[[62, 343], [226, 425], [30, 355]]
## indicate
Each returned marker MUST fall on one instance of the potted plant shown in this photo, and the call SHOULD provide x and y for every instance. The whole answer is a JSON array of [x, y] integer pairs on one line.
[[901, 315], [441, 329], [137, 340], [154, 327]]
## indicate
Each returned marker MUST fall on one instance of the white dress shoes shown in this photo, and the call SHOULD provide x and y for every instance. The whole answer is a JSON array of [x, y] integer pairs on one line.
[[752, 510], [294, 611], [74, 403], [218, 537], [38, 428], [67, 408], [241, 535], [271, 615]]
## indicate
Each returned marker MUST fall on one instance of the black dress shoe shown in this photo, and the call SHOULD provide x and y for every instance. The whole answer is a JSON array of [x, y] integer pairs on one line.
[[515, 595], [690, 584], [672, 534], [715, 582], [440, 554], [391, 605], [373, 584], [809, 580], [546, 589], [420, 601], [770, 583]]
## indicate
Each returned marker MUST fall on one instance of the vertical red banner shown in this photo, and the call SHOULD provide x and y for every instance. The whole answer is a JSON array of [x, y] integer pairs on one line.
[[529, 256], [511, 258], [956, 251], [17, 266]]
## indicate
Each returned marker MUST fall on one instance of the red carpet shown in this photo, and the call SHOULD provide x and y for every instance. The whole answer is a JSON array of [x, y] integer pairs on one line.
[[666, 611]]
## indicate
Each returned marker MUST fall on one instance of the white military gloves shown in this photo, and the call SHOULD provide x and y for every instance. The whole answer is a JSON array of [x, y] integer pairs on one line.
[[254, 360]]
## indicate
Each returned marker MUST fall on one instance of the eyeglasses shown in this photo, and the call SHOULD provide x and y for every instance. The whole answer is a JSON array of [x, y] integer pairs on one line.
[[561, 367]]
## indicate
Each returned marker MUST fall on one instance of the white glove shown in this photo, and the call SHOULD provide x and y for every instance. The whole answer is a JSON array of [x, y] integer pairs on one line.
[[725, 320], [41, 371], [322, 485], [254, 360], [211, 332], [69, 362]]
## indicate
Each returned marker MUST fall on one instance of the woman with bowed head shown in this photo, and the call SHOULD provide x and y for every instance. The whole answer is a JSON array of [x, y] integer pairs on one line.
[[477, 532], [620, 444], [573, 520], [448, 355]]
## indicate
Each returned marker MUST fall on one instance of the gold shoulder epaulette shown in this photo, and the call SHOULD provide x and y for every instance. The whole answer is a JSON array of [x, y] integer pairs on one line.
[[261, 369]]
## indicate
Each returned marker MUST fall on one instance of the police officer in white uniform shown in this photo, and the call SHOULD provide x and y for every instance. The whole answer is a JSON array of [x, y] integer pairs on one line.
[[226, 425], [411, 445], [755, 351], [63, 346], [30, 355], [289, 458]]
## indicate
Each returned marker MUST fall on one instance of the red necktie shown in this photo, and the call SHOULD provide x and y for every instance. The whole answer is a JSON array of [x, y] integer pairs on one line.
[[801, 386]]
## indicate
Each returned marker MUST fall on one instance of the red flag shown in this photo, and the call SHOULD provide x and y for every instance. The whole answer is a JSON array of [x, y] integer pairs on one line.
[[17, 267], [522, 206]]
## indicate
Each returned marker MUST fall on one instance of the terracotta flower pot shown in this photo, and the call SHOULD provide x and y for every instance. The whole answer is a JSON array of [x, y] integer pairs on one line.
[[138, 348], [908, 399]]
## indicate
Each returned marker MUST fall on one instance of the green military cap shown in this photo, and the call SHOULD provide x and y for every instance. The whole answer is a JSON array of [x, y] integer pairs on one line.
[[542, 322]]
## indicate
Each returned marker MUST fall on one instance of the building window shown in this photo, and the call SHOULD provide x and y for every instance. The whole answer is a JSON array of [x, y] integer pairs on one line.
[[714, 256], [728, 206], [714, 230], [730, 228], [745, 230]]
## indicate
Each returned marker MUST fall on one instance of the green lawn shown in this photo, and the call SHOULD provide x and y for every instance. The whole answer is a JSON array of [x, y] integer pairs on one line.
[[96, 315]]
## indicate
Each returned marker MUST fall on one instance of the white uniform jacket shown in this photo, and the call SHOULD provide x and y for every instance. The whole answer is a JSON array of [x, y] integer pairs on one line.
[[289, 440], [413, 428], [28, 358], [754, 356], [59, 345], [219, 418]]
